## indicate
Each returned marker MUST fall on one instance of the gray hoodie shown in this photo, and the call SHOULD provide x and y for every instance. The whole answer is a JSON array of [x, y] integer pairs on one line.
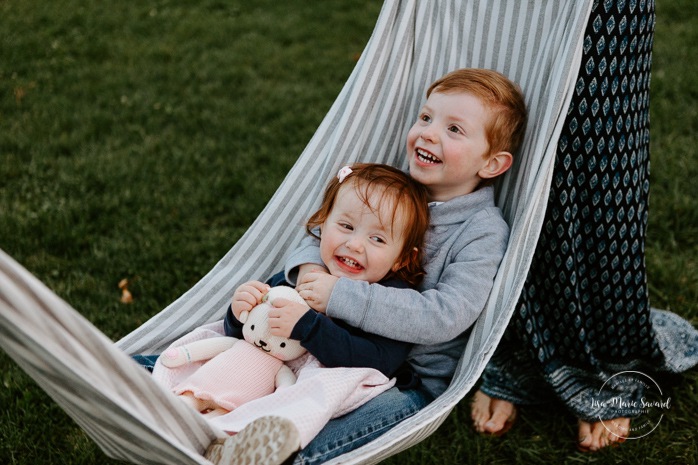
[[464, 246]]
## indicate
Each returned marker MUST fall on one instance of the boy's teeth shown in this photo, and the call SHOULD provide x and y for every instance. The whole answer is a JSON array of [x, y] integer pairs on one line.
[[427, 157]]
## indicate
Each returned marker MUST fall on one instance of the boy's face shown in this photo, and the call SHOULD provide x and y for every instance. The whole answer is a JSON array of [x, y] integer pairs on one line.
[[447, 144], [359, 242]]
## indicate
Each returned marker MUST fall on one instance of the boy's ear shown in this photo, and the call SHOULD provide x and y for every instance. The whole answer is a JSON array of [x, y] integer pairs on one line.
[[497, 164]]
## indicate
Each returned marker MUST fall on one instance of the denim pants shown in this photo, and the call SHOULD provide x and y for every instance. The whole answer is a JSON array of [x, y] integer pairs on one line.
[[146, 361], [363, 425]]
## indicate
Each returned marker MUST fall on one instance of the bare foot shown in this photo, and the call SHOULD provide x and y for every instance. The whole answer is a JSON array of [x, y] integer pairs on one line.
[[492, 416], [597, 435]]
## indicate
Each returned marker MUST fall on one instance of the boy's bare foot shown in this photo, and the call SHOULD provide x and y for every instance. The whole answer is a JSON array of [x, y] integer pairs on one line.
[[597, 435], [492, 416]]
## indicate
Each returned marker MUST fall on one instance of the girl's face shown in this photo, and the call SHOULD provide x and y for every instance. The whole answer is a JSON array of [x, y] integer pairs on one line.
[[357, 242], [447, 144]]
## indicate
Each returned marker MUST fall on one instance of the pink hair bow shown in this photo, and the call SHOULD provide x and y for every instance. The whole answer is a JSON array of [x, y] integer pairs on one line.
[[343, 173]]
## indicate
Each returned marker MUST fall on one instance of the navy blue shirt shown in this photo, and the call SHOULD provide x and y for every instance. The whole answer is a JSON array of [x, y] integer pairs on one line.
[[336, 344]]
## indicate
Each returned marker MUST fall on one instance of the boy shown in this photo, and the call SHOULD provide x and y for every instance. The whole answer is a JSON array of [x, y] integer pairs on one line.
[[464, 137]]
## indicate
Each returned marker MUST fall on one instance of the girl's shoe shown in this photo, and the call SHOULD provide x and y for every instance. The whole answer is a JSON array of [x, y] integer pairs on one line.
[[266, 441]]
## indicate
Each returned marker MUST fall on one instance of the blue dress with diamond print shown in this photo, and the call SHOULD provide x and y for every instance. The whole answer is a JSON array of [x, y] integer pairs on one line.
[[584, 312]]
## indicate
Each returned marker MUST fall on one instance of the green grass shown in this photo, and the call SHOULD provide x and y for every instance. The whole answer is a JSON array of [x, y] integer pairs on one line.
[[140, 139]]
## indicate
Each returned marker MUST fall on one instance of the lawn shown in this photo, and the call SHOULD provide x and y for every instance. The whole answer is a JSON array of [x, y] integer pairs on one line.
[[139, 140]]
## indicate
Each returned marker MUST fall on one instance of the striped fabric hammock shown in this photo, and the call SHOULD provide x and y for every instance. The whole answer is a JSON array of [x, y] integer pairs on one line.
[[537, 43]]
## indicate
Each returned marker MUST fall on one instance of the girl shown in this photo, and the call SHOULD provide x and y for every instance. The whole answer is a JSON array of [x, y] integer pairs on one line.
[[371, 225]]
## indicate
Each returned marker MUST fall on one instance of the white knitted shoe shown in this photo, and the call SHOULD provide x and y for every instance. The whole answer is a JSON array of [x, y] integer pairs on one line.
[[266, 441]]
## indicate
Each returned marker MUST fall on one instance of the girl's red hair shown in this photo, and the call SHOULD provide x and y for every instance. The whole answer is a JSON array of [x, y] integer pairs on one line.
[[407, 196]]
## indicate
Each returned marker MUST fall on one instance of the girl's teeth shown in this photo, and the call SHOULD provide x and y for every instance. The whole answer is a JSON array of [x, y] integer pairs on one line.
[[349, 262]]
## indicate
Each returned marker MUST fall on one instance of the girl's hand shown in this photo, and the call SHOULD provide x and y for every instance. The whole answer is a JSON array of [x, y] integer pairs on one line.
[[316, 288], [284, 316], [248, 296]]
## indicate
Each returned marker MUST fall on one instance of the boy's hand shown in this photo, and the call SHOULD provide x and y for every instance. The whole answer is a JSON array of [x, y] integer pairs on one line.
[[308, 268], [248, 296], [284, 316], [316, 288]]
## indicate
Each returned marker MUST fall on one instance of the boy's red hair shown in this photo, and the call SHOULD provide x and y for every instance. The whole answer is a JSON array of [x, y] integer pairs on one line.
[[504, 99]]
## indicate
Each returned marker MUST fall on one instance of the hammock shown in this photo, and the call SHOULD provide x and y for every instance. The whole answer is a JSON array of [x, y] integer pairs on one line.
[[537, 43]]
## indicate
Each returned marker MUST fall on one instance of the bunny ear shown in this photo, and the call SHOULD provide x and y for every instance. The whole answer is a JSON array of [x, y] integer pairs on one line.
[[284, 292], [243, 316]]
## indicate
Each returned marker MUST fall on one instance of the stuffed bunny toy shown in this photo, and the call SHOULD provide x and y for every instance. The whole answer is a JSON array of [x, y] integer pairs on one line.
[[237, 371]]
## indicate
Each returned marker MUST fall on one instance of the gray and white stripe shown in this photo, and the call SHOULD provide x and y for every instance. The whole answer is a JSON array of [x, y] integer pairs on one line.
[[537, 43]]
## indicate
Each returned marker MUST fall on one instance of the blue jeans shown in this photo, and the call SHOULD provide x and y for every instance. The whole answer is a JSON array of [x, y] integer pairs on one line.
[[146, 361], [363, 425]]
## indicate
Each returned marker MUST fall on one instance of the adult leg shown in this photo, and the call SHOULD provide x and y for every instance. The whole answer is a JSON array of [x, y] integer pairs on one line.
[[584, 310]]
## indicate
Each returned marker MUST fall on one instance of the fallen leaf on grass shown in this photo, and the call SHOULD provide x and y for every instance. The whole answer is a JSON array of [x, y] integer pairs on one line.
[[21, 92], [126, 297]]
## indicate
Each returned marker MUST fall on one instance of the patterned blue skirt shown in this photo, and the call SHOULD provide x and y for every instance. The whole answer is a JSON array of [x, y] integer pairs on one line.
[[584, 313]]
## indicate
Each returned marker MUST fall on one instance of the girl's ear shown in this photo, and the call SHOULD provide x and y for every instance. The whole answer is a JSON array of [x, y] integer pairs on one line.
[[497, 164]]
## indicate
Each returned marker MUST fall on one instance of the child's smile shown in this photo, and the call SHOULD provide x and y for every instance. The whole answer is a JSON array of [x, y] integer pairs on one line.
[[448, 144], [349, 264], [426, 158], [359, 241]]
